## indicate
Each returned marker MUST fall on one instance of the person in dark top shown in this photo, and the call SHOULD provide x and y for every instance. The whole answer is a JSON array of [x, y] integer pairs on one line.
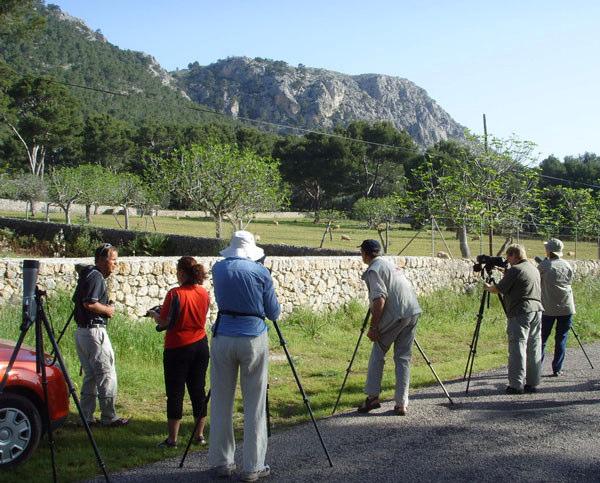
[[92, 311], [521, 289], [185, 357]]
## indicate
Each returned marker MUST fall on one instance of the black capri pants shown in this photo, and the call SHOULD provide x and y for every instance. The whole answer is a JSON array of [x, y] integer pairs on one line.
[[186, 366]]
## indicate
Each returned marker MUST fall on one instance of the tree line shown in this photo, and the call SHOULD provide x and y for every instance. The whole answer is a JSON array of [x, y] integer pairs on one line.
[[53, 150]]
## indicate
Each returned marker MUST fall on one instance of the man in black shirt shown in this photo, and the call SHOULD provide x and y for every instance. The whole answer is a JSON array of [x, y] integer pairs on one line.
[[96, 355]]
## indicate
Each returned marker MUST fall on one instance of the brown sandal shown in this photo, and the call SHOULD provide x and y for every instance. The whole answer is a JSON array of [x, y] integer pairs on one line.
[[400, 410], [369, 404]]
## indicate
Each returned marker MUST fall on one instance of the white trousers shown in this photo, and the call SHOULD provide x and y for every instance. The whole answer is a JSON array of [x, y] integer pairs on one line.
[[249, 356], [97, 360], [403, 337]]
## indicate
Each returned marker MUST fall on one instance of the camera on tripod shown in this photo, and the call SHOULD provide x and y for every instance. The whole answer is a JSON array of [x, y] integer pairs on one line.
[[488, 263]]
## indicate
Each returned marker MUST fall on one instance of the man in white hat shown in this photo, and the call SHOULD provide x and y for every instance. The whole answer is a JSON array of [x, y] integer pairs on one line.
[[245, 296], [557, 298]]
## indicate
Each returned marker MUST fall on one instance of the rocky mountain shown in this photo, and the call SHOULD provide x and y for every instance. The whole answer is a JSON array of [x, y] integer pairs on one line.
[[316, 98]]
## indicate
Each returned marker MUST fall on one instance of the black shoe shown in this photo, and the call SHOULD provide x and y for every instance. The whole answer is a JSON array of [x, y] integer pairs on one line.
[[530, 389], [512, 390], [167, 443]]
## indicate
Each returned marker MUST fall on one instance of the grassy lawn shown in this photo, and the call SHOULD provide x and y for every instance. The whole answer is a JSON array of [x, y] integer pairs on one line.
[[321, 346], [303, 232]]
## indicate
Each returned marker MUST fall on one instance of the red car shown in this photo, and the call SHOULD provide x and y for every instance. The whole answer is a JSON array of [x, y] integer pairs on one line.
[[22, 410]]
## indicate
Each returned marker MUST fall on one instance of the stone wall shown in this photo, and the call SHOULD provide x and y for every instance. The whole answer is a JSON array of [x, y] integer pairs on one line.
[[316, 282]]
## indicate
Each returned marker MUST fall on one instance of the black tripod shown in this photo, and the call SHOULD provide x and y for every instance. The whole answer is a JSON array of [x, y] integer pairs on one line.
[[349, 369], [304, 397], [485, 299], [581, 345], [34, 314]]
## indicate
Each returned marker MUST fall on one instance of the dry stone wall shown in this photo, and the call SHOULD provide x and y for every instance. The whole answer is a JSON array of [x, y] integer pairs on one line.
[[318, 283]]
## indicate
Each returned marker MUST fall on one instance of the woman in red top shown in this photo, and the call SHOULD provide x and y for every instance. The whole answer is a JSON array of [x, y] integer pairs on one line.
[[185, 358]]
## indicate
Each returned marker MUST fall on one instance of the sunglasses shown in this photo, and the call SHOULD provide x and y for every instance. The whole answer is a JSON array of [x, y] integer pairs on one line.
[[104, 250]]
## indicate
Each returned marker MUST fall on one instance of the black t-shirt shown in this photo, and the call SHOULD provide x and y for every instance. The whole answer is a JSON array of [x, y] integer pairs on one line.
[[91, 288]]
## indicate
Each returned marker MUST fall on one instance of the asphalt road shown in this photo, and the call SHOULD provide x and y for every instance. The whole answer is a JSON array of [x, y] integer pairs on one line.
[[553, 435]]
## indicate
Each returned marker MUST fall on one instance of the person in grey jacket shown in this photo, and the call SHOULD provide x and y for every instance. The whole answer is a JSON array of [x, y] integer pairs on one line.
[[394, 315], [557, 298]]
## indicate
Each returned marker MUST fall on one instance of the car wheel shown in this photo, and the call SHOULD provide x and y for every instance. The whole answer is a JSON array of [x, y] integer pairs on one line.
[[20, 429]]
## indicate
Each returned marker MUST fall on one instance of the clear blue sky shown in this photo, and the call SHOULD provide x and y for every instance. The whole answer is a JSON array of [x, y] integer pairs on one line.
[[532, 66]]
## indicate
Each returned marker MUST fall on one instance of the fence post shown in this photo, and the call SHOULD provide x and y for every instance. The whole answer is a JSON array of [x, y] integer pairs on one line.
[[432, 237]]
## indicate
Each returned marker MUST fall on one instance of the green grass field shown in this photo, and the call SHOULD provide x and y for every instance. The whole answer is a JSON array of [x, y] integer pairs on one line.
[[321, 346], [303, 232]]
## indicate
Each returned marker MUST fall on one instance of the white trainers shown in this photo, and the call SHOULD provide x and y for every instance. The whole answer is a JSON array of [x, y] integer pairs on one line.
[[255, 475], [225, 471]]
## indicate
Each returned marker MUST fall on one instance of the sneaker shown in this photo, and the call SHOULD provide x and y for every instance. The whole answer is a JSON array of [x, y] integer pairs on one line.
[[199, 440], [167, 443], [255, 475], [224, 471], [512, 390], [557, 373], [530, 389]]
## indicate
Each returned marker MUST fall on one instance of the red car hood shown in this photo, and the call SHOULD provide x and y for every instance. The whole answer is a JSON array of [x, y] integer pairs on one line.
[[26, 354]]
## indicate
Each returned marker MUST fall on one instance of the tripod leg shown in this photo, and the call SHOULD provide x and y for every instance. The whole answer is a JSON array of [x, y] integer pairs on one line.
[[71, 388], [13, 358], [474, 352], [362, 331], [581, 345], [299, 384], [40, 362], [268, 413], [434, 373], [189, 443]]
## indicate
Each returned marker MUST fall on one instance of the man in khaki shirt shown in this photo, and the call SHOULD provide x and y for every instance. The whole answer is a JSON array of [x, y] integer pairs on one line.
[[520, 287]]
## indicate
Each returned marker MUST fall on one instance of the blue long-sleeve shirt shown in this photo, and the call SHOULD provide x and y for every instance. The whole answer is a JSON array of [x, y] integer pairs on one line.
[[244, 286]]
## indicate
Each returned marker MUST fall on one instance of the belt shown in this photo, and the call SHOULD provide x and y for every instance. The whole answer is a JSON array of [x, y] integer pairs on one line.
[[92, 326]]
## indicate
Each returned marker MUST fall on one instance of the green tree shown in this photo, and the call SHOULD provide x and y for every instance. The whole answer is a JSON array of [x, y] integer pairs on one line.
[[127, 191], [43, 116], [228, 183], [64, 188], [28, 188], [379, 161], [93, 181], [318, 168], [106, 141], [20, 18]]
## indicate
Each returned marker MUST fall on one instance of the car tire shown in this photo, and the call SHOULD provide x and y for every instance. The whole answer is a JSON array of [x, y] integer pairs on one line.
[[20, 429]]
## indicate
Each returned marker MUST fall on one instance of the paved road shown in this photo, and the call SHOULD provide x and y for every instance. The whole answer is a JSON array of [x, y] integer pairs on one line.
[[553, 435]]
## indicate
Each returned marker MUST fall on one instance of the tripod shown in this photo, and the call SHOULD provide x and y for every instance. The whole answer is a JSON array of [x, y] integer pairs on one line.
[[34, 314], [349, 369], [485, 299], [300, 388], [581, 345]]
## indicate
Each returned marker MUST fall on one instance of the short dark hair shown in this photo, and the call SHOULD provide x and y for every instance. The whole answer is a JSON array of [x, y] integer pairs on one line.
[[371, 247], [104, 251]]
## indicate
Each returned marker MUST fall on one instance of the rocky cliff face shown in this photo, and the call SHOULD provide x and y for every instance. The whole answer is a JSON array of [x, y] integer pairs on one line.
[[315, 98]]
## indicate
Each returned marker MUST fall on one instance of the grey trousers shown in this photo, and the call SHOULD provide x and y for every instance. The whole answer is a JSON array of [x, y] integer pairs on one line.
[[402, 337], [249, 356], [97, 359], [524, 349]]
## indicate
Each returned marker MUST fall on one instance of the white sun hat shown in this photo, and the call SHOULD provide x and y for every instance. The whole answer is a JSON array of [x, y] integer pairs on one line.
[[242, 245]]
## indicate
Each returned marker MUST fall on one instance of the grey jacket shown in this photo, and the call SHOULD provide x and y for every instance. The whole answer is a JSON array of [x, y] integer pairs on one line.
[[384, 279], [557, 295]]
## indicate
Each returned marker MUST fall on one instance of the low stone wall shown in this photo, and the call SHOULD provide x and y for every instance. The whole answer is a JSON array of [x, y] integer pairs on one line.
[[319, 283]]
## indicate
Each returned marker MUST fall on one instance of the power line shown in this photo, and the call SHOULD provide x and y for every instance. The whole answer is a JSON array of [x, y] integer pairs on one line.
[[285, 126]]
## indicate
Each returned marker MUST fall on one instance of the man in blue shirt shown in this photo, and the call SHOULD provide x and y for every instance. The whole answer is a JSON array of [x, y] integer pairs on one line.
[[245, 296]]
